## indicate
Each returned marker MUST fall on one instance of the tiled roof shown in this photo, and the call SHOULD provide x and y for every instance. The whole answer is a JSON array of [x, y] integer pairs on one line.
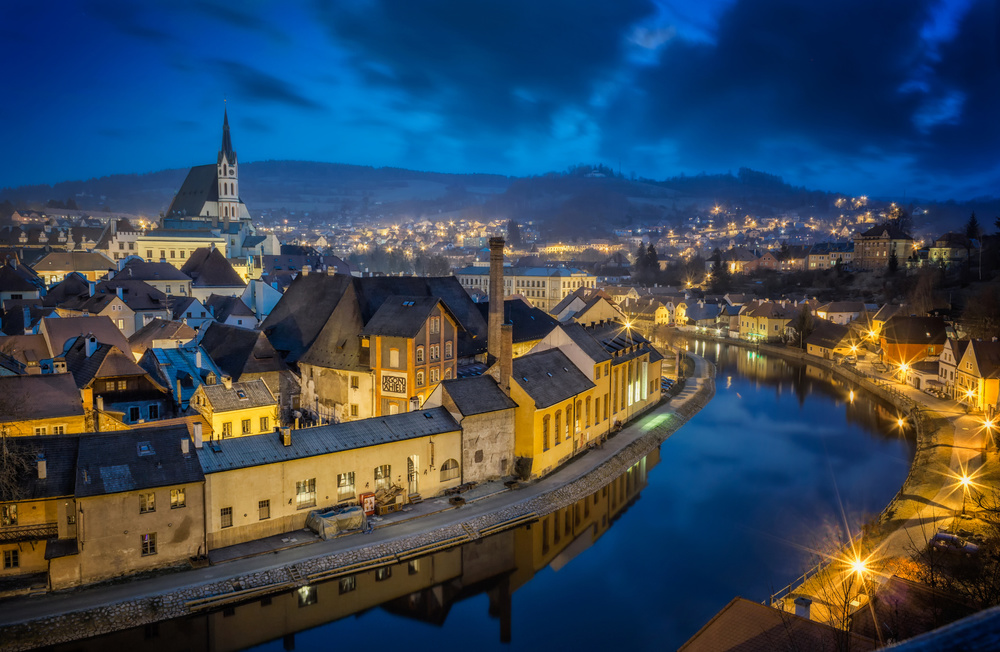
[[60, 452], [223, 308], [79, 261], [140, 270], [529, 323], [583, 338], [60, 331], [41, 396], [160, 329], [254, 450], [201, 185], [240, 351], [105, 362], [914, 330], [110, 463], [207, 267], [251, 394], [549, 377], [401, 316], [477, 395]]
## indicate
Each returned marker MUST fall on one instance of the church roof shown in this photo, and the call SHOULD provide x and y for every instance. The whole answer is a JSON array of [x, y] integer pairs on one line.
[[201, 185], [227, 144]]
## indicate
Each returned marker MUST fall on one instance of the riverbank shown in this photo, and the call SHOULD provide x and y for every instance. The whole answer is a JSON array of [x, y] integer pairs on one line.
[[430, 527], [949, 443]]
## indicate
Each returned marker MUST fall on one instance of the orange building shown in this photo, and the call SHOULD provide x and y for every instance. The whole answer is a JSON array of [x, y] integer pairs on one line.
[[906, 340]]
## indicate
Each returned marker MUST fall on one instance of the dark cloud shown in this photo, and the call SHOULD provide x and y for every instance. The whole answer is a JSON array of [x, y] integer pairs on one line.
[[498, 65], [256, 84], [236, 16], [128, 18]]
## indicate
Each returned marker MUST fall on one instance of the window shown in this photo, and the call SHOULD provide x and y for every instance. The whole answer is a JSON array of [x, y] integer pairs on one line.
[[383, 476], [149, 254], [121, 246], [226, 514], [305, 493], [435, 375], [420, 379], [435, 325], [263, 510], [121, 324], [420, 355], [264, 423], [354, 409], [8, 515], [147, 503], [345, 485], [122, 385], [435, 351], [173, 253], [393, 357], [40, 431], [449, 470], [178, 498], [12, 558], [382, 574], [413, 567], [227, 429], [557, 429], [447, 350], [348, 584], [131, 246], [246, 427], [163, 254], [447, 373], [545, 433], [154, 412], [355, 383], [148, 544]]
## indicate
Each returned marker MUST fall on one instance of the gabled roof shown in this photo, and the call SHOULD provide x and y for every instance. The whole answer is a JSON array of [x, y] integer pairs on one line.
[[239, 396], [304, 310], [842, 306], [71, 287], [59, 332], [76, 261], [403, 316], [179, 307], [477, 395], [771, 310], [13, 320], [19, 279], [140, 270], [886, 311], [549, 377], [172, 366], [137, 295], [60, 453], [105, 362], [890, 231], [915, 330], [827, 334], [239, 351], [26, 349], [254, 450], [987, 357], [160, 329], [40, 396], [529, 323], [116, 462], [223, 308], [201, 185], [207, 267], [583, 338]]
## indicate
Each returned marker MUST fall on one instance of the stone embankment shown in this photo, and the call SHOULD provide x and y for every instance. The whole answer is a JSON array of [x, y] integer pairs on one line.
[[587, 477]]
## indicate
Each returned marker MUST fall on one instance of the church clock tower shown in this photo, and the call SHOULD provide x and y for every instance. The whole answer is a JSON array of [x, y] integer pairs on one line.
[[229, 178]]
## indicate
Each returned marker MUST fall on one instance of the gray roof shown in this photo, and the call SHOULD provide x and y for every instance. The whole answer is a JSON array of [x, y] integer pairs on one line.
[[251, 394], [477, 395], [201, 185], [223, 308], [140, 270], [58, 261], [41, 396], [207, 267], [60, 466], [582, 338], [160, 329], [529, 323], [549, 377], [402, 316], [240, 351], [143, 458], [255, 450]]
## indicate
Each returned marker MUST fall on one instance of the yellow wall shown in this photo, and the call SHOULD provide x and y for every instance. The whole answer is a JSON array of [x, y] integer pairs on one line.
[[72, 425], [242, 489]]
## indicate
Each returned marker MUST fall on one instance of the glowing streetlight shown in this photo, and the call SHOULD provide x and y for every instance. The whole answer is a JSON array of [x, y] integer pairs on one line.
[[966, 482]]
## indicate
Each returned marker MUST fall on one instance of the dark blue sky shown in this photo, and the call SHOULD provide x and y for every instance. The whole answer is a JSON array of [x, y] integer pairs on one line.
[[881, 97]]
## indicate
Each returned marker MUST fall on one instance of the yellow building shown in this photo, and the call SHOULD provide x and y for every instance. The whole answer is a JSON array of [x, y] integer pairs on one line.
[[543, 287], [977, 376], [175, 247], [267, 484], [237, 409], [765, 322]]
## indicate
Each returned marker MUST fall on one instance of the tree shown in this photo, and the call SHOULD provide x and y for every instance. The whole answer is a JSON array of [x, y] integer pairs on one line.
[[981, 319], [652, 260], [804, 324], [893, 263], [722, 279], [920, 299], [972, 227], [513, 234]]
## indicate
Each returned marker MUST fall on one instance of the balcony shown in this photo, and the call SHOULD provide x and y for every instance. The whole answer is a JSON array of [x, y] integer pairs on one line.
[[36, 532]]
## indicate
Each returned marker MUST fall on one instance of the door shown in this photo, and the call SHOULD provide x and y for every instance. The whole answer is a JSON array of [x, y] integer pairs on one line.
[[412, 473]]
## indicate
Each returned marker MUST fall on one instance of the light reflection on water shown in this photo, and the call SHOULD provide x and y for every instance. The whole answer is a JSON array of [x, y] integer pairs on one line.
[[725, 506]]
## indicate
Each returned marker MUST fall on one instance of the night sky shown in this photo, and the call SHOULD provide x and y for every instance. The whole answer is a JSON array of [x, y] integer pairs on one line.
[[879, 97]]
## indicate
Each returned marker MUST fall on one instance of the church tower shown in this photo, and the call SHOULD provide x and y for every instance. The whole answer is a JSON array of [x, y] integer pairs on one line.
[[229, 178]]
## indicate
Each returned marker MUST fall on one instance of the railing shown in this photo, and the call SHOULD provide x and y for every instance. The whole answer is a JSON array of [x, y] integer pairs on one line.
[[34, 532]]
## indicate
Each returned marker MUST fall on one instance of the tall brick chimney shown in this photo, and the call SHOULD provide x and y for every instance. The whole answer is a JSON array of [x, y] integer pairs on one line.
[[493, 344], [506, 357]]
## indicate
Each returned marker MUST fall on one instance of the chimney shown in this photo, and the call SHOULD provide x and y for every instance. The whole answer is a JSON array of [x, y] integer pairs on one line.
[[286, 436], [91, 287], [120, 291], [493, 342], [27, 319], [197, 358], [227, 381], [802, 605], [90, 344], [42, 467], [185, 446], [197, 435], [506, 357], [100, 404]]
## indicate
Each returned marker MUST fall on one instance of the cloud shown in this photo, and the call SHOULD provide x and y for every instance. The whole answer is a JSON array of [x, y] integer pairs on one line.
[[128, 18], [258, 85], [237, 17]]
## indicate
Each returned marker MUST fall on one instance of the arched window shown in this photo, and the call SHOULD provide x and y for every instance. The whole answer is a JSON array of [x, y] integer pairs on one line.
[[420, 379], [569, 418], [420, 355], [579, 409], [447, 350], [586, 421], [557, 428], [545, 432], [449, 470], [447, 373]]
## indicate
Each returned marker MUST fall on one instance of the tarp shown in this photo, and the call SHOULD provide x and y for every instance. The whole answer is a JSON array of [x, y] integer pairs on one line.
[[327, 523]]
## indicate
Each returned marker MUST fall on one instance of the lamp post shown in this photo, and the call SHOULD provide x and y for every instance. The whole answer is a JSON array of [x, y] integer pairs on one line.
[[965, 481], [902, 372]]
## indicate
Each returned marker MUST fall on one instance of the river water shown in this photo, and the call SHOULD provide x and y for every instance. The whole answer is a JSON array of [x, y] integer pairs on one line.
[[729, 506]]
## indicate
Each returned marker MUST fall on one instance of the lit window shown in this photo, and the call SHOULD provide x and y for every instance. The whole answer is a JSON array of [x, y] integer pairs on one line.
[[178, 498], [345, 485], [383, 476], [420, 355], [420, 379], [147, 503], [305, 493], [449, 470], [8, 515]]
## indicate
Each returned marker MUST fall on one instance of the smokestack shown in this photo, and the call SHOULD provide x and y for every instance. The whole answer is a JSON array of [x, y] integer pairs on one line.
[[120, 291], [185, 446], [802, 605], [26, 311], [197, 358], [286, 436], [493, 343], [506, 357], [42, 467], [198, 441]]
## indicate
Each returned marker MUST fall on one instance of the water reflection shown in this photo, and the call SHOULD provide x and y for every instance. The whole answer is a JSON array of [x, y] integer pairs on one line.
[[424, 589]]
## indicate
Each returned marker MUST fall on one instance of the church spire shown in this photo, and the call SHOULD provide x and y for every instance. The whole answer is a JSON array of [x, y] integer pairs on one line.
[[227, 144]]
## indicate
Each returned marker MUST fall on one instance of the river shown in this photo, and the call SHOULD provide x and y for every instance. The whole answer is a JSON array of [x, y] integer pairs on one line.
[[730, 505]]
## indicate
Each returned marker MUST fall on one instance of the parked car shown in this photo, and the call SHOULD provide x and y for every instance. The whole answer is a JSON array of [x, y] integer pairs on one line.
[[850, 359], [952, 543]]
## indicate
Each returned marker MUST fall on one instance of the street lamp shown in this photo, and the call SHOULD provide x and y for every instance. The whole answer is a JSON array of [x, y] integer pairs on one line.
[[965, 481], [902, 372]]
